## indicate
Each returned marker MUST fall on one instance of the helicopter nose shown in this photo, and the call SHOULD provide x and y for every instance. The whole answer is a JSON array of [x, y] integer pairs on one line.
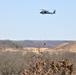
[[41, 12]]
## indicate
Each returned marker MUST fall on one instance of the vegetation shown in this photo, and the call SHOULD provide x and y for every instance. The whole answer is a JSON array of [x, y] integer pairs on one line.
[[44, 63], [30, 43], [42, 66], [5, 44]]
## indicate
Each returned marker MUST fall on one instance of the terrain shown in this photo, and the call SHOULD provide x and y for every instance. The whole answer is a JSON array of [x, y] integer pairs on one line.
[[21, 57], [21, 44], [33, 45]]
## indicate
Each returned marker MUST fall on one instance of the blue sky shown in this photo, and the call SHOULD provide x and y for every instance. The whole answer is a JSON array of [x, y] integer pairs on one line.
[[21, 20]]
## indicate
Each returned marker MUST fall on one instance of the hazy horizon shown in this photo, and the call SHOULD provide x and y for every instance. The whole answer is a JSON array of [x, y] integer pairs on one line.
[[33, 40]]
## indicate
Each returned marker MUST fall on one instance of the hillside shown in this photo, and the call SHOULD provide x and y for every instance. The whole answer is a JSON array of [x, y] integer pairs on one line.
[[40, 43], [66, 46], [10, 44]]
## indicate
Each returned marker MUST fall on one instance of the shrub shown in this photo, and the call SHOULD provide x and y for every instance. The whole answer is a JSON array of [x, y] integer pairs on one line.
[[41, 67]]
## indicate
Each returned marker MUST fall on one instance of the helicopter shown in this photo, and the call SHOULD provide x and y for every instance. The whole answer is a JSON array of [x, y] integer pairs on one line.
[[47, 12]]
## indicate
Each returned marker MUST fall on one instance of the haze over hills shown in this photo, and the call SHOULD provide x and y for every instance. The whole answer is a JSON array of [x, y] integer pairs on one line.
[[30, 43], [6, 44], [40, 43]]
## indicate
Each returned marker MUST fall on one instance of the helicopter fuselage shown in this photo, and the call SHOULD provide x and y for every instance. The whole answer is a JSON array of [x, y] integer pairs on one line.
[[47, 12]]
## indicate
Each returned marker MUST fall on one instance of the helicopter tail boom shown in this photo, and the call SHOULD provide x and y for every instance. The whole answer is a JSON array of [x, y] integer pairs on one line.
[[54, 12]]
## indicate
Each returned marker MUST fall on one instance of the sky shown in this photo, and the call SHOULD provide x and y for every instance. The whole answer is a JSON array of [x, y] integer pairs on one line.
[[21, 20]]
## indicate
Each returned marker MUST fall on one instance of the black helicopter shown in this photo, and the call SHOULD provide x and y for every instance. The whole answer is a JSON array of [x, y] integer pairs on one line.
[[47, 12]]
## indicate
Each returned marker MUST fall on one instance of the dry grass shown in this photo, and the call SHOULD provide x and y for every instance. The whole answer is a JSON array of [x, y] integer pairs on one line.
[[46, 67], [37, 63]]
